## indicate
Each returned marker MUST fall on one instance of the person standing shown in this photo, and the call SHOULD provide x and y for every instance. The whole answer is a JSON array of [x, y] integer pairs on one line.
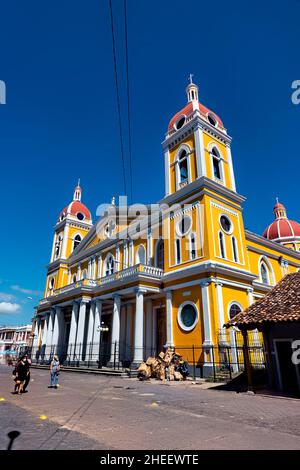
[[27, 380], [54, 372]]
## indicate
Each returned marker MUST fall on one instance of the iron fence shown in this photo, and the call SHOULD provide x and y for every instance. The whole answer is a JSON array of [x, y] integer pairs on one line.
[[219, 362]]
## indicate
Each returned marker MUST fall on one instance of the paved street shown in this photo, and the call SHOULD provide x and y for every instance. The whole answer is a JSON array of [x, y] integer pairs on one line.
[[92, 412]]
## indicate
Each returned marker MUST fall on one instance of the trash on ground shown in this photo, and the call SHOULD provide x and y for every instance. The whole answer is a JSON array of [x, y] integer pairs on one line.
[[166, 366]]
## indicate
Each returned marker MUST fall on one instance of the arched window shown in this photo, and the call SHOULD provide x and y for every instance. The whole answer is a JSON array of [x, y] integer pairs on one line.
[[264, 274], [234, 250], [141, 255], [74, 279], [177, 251], [192, 246], [159, 254], [109, 265], [51, 283], [216, 163], [58, 246], [76, 242], [183, 167], [221, 243], [234, 310]]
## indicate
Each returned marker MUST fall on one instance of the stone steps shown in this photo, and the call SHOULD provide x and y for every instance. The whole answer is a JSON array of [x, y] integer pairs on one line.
[[104, 371]]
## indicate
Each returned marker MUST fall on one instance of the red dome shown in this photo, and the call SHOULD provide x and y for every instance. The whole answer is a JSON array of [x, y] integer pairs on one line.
[[188, 111], [282, 228], [76, 207]]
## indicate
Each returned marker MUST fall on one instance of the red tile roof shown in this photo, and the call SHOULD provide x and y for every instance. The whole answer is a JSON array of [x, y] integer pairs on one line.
[[281, 304], [188, 110]]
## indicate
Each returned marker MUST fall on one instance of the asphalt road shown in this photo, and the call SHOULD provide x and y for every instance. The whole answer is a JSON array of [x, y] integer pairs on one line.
[[93, 412]]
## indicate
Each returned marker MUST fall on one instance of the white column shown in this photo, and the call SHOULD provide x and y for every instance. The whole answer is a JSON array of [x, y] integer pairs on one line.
[[99, 273], [79, 272], [125, 255], [129, 331], [36, 333], [149, 322], [80, 328], [48, 350], [65, 240], [89, 269], [169, 314], [200, 152], [231, 172], [167, 172], [56, 329], [131, 253], [139, 327], [206, 313], [90, 332], [250, 296], [45, 330], [115, 334], [69, 276], [93, 267], [221, 317], [149, 248], [154, 331], [73, 330], [118, 267], [97, 333]]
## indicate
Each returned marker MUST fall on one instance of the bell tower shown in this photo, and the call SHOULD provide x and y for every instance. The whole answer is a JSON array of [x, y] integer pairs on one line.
[[197, 145]]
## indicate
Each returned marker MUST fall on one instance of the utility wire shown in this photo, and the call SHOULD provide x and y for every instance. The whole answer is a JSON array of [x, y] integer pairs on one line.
[[117, 93], [128, 98]]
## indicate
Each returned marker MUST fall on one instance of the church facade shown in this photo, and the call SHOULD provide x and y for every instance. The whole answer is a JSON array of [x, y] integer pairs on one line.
[[168, 274]]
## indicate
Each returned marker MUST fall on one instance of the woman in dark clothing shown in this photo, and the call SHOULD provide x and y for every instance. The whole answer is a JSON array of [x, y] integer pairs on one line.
[[21, 372]]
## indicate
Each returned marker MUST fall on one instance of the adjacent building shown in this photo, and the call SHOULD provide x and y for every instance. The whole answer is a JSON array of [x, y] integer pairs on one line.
[[14, 339]]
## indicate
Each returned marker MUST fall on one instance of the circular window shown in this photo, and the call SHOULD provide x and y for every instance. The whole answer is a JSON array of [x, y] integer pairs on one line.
[[180, 123], [225, 223], [80, 216], [187, 316], [212, 120], [184, 225]]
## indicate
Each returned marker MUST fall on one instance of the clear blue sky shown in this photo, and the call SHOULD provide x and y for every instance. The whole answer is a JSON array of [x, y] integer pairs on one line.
[[60, 120]]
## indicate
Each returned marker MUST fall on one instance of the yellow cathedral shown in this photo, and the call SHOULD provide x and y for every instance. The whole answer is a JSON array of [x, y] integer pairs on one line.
[[169, 274]]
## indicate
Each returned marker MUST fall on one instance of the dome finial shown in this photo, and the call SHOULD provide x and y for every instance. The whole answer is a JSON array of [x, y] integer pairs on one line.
[[191, 78], [279, 210], [192, 90], [77, 192]]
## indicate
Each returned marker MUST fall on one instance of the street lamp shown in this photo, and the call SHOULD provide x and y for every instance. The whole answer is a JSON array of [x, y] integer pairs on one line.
[[101, 328]]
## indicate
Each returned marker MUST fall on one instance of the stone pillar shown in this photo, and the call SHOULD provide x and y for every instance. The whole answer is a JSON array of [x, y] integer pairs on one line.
[[90, 333], [89, 275], [129, 349], [78, 272], [115, 334], [231, 172], [45, 333], [200, 152], [99, 273], [93, 268], [169, 313], [96, 332], [149, 248], [73, 331], [167, 171], [149, 323], [57, 330], [220, 307], [139, 328], [48, 350], [207, 343], [80, 329], [36, 334]]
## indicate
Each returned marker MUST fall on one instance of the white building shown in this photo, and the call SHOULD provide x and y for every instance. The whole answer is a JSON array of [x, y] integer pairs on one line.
[[14, 338]]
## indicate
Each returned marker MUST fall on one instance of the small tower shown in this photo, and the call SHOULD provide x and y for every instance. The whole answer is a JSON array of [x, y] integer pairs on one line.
[[77, 192], [279, 210], [73, 224], [192, 92]]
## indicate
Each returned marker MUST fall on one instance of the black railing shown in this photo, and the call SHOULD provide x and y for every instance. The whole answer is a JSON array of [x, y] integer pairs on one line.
[[220, 362]]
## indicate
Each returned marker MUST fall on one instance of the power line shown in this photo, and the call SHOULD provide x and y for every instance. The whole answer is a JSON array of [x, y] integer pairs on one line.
[[128, 98], [117, 93]]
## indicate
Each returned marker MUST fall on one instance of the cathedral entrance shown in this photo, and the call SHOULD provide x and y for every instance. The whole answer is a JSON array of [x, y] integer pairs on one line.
[[161, 332]]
